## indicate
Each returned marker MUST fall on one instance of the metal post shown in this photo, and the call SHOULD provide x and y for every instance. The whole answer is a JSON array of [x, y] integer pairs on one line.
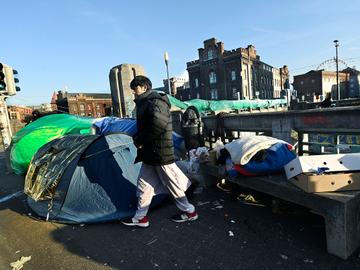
[[248, 71], [337, 68], [166, 57], [7, 118], [5, 128]]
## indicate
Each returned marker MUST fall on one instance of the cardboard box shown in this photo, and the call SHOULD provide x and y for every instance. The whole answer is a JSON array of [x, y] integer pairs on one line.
[[334, 163], [327, 182], [325, 173]]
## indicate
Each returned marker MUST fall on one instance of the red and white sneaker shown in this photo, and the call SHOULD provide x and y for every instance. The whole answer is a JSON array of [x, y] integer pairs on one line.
[[183, 217], [144, 222]]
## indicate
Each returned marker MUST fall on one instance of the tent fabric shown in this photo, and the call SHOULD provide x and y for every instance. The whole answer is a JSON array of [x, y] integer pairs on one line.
[[97, 182], [108, 125], [50, 163], [33, 136], [29, 139]]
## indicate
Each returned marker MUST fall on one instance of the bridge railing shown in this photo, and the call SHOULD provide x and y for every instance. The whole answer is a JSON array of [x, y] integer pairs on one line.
[[314, 131]]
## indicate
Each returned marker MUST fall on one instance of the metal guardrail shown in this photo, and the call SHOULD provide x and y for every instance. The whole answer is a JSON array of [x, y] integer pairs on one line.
[[291, 126]]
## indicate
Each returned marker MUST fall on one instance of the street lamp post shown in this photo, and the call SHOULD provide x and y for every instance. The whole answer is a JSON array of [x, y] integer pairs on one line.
[[166, 58], [337, 68]]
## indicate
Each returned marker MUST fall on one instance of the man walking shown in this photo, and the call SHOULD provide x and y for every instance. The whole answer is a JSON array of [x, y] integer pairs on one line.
[[158, 173]]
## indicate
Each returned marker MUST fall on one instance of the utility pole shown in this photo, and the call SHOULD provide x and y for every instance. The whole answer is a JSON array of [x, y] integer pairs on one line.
[[337, 69], [5, 129], [166, 58]]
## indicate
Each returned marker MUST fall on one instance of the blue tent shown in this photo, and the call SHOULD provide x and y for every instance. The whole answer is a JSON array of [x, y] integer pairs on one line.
[[84, 179], [108, 125]]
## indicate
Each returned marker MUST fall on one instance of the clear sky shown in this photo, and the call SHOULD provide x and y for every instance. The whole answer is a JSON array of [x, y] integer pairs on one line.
[[72, 44]]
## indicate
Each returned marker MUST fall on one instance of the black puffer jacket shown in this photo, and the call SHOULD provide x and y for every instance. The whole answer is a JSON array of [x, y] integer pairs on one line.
[[154, 125]]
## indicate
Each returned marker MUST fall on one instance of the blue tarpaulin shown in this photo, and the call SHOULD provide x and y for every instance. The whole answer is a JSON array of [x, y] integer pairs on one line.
[[109, 125]]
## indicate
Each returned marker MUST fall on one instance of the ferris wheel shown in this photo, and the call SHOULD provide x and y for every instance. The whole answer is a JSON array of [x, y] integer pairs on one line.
[[330, 65]]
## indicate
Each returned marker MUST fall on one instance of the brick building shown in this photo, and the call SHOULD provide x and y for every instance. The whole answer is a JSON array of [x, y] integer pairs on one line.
[[18, 117], [19, 112], [237, 74], [354, 82], [317, 83], [83, 104]]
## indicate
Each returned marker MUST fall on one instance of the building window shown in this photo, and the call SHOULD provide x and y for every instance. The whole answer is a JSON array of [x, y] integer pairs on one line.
[[210, 54], [235, 92], [212, 77], [74, 108], [301, 82], [233, 75], [97, 106], [245, 74], [189, 96], [89, 107], [82, 107], [214, 94], [197, 95], [196, 82]]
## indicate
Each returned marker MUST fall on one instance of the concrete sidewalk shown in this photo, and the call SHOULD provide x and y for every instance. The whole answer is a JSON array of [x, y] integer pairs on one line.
[[228, 235]]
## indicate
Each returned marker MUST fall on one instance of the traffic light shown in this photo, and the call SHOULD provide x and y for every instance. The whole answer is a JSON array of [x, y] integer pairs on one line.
[[8, 80], [16, 80], [2, 78]]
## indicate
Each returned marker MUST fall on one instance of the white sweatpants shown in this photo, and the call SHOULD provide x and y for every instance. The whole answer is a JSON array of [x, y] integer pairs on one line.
[[154, 180]]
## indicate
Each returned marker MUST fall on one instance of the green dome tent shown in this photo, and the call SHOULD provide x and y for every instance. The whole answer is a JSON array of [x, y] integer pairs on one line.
[[29, 139]]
